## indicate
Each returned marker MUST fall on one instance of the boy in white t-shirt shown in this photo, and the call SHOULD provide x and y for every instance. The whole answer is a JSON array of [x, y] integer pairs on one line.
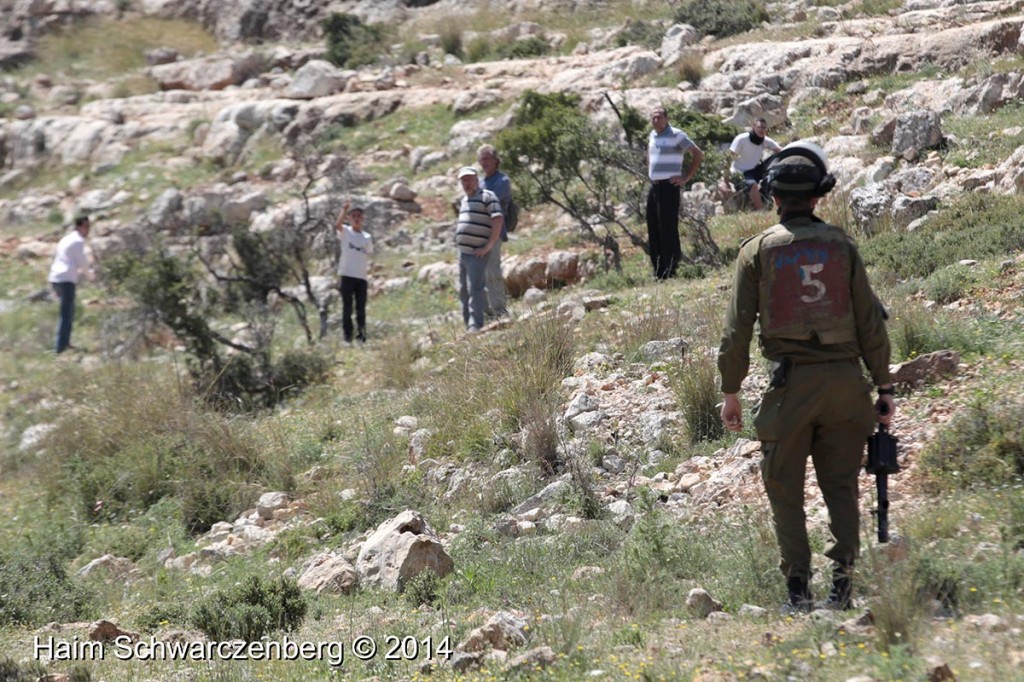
[[356, 248]]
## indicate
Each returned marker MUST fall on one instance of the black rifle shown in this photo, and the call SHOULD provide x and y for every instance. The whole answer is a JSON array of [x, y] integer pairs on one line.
[[882, 450]]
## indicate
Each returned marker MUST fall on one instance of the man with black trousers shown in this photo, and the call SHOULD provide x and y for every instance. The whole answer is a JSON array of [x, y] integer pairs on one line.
[[666, 152]]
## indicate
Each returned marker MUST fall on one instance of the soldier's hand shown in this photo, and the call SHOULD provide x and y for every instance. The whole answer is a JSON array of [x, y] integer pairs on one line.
[[732, 412], [885, 406]]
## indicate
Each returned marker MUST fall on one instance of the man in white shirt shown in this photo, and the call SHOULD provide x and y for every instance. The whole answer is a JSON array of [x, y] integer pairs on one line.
[[747, 150], [69, 264], [356, 248]]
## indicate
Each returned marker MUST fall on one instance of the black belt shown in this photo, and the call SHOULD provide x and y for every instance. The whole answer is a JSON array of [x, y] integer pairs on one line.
[[801, 363], [661, 182]]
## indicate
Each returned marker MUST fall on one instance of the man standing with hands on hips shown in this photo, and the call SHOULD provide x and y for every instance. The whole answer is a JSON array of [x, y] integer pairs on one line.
[[666, 151], [804, 283]]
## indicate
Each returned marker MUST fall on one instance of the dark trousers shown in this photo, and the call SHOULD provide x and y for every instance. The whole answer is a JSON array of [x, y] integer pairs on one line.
[[663, 229], [353, 290], [824, 412], [66, 293]]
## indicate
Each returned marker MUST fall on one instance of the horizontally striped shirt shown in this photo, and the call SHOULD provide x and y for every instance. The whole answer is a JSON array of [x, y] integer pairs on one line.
[[475, 213], [665, 152]]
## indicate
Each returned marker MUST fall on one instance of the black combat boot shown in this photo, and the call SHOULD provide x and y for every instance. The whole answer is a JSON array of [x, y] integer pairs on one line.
[[841, 596], [800, 600]]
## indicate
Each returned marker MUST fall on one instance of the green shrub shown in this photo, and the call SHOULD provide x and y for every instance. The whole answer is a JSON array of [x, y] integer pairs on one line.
[[529, 363], [1013, 531], [12, 671], [695, 383], [976, 227], [914, 331], [486, 48], [982, 446], [451, 39], [350, 42], [35, 588], [523, 48], [162, 613], [721, 18], [645, 322], [690, 68], [297, 370], [423, 588], [138, 439], [250, 610], [397, 354], [950, 283], [479, 49], [647, 34]]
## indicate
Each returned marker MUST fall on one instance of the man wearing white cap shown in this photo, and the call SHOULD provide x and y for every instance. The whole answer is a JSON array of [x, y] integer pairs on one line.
[[476, 233]]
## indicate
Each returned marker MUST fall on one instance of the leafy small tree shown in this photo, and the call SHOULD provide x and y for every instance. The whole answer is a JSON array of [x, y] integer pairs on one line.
[[595, 172], [170, 290], [559, 156]]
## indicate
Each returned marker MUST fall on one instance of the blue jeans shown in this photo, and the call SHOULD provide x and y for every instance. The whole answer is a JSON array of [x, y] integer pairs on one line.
[[66, 292], [473, 289]]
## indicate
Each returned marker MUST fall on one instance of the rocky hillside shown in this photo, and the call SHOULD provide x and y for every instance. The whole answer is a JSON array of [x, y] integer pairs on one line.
[[232, 115]]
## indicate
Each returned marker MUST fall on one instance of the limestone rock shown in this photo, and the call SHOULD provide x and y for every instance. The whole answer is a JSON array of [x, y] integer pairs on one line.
[[926, 368], [701, 604], [399, 550], [503, 631], [329, 573]]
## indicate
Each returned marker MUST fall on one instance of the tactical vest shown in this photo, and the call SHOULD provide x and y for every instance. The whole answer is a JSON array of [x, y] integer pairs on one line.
[[805, 283]]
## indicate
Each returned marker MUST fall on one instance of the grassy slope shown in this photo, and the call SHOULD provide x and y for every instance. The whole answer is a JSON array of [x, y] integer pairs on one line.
[[627, 621]]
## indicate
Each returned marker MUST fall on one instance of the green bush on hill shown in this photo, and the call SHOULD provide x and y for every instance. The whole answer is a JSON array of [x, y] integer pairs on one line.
[[981, 446], [251, 610], [142, 439], [978, 226], [721, 18], [350, 42], [35, 587]]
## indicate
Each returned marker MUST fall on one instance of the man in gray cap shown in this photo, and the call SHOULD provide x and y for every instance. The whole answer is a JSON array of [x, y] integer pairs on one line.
[[477, 231]]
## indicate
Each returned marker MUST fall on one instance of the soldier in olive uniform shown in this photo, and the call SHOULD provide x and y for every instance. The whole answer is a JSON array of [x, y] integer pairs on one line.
[[804, 283]]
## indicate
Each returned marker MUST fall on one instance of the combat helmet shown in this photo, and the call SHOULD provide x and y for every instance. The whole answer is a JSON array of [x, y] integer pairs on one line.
[[799, 170]]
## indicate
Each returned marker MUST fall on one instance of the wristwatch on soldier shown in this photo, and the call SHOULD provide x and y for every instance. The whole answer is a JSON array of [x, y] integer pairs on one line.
[[887, 390]]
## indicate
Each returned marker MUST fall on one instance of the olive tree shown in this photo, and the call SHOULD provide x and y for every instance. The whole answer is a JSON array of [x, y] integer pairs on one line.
[[594, 172]]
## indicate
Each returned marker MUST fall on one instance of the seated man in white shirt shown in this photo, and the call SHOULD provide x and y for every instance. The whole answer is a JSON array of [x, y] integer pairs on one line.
[[747, 150]]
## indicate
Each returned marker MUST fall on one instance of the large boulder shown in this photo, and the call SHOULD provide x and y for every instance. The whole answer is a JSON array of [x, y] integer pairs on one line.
[[769, 107], [329, 573], [871, 206], [207, 73], [563, 267], [399, 550], [525, 273], [677, 41], [318, 78], [916, 132]]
